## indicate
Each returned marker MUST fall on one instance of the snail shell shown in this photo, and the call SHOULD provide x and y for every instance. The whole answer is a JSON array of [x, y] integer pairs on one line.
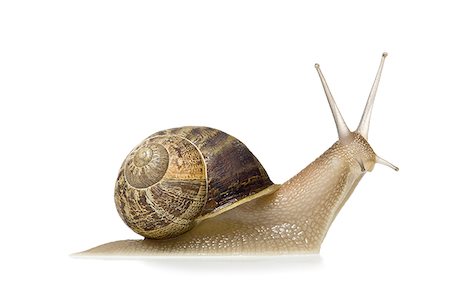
[[178, 176]]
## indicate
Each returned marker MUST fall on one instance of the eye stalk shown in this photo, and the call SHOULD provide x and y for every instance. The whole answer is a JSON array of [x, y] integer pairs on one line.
[[364, 124], [343, 131], [363, 129]]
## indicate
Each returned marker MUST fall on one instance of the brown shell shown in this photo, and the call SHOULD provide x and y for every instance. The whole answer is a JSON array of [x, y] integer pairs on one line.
[[177, 175]]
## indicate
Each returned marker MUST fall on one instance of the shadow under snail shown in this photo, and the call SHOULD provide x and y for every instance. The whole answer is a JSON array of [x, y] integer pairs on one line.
[[200, 191]]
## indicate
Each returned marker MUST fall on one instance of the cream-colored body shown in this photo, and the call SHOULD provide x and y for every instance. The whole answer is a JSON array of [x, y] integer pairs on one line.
[[293, 219]]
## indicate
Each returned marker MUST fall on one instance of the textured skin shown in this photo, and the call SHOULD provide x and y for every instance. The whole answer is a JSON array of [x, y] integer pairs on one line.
[[294, 219], [177, 175]]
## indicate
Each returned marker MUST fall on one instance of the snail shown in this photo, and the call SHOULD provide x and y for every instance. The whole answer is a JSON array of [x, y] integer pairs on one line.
[[198, 190]]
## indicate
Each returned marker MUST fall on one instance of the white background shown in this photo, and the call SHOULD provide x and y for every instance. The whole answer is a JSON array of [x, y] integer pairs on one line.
[[82, 82]]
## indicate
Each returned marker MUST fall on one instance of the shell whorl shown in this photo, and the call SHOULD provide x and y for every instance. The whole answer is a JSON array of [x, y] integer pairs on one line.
[[147, 165], [175, 176], [160, 192]]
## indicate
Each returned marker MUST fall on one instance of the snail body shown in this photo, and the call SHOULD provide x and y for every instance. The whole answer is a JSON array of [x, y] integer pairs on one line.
[[225, 202]]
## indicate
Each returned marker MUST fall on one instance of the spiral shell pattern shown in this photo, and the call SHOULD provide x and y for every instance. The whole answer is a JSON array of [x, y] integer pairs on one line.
[[177, 175], [147, 165], [161, 188]]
